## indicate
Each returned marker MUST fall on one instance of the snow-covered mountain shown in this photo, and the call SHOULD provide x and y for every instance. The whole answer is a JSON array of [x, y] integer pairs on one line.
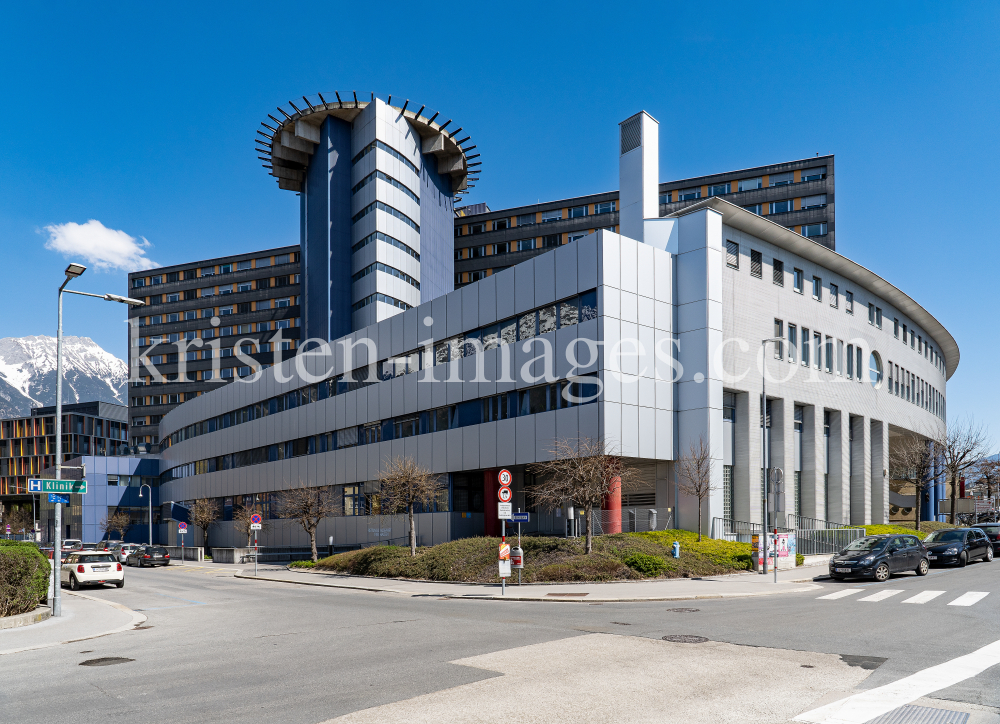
[[28, 373]]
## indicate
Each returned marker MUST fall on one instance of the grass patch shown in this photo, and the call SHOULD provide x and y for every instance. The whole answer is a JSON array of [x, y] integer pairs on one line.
[[301, 564], [623, 556]]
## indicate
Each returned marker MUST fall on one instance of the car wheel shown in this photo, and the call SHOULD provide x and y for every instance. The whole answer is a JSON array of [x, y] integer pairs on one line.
[[74, 584], [989, 554], [882, 572], [120, 583], [923, 567], [963, 560]]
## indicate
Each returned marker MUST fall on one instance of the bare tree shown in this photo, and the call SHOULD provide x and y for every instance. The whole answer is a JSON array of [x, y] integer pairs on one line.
[[242, 521], [308, 506], [118, 522], [696, 468], [583, 471], [203, 512], [404, 484], [21, 520], [911, 462], [964, 446]]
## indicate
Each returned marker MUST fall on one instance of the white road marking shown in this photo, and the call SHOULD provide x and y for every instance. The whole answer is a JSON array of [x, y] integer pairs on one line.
[[882, 595], [840, 594], [924, 597], [867, 705], [969, 599]]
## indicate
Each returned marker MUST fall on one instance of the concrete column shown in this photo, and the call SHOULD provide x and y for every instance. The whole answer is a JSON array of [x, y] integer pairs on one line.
[[879, 472], [747, 459], [861, 472], [839, 489], [783, 449], [813, 496], [613, 504]]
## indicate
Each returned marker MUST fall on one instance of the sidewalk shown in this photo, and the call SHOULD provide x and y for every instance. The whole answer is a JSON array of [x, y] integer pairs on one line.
[[738, 585], [83, 617]]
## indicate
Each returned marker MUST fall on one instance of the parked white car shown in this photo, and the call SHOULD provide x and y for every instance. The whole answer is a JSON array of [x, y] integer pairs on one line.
[[91, 568]]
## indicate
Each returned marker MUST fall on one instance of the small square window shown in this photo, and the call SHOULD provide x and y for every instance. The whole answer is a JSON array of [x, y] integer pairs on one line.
[[733, 254], [834, 296], [797, 280], [756, 264], [849, 302], [817, 289]]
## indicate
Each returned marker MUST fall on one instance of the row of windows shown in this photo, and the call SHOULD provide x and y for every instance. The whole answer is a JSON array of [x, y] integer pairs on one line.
[[391, 241], [380, 206], [787, 178], [516, 329], [379, 175], [209, 312], [246, 264], [227, 331], [575, 212], [816, 287], [388, 149], [385, 269], [247, 286], [822, 352], [546, 319], [510, 247], [531, 401], [378, 297], [908, 386]]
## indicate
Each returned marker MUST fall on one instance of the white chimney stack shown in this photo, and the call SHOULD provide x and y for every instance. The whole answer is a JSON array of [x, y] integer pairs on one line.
[[638, 174]]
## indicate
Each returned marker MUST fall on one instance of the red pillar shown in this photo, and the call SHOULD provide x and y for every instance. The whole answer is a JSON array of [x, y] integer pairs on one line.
[[613, 504], [490, 487]]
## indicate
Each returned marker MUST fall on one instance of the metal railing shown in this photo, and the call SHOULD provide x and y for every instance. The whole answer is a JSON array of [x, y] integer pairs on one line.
[[821, 541], [629, 520], [800, 522], [808, 541]]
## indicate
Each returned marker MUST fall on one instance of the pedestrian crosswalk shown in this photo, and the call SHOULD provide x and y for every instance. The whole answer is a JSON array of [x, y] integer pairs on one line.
[[970, 598]]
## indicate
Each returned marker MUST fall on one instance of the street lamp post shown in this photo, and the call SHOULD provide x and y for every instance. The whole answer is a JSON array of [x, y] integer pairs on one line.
[[767, 452], [146, 485], [72, 272]]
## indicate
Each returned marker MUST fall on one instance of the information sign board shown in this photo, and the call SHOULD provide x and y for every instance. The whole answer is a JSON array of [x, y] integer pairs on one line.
[[505, 510], [37, 485]]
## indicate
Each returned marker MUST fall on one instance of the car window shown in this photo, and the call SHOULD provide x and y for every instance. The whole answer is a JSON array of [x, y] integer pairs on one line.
[[159, 550], [991, 529], [945, 536], [912, 540], [865, 544], [97, 558]]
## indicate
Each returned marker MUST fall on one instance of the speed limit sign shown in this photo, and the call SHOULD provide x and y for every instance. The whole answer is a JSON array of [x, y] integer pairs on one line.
[[504, 494], [505, 478]]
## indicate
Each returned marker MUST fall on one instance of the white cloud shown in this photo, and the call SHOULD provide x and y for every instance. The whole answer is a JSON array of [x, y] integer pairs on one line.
[[99, 247]]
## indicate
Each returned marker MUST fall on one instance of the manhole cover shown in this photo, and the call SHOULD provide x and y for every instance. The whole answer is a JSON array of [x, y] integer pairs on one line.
[[106, 661], [685, 639], [683, 610]]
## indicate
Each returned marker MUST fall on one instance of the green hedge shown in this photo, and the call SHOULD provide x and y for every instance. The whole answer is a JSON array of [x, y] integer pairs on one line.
[[24, 577]]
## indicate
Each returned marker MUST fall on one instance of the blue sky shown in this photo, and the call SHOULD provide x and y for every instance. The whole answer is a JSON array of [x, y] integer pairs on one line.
[[143, 118]]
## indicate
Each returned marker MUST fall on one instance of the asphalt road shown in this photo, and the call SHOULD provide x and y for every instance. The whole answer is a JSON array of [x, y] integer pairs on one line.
[[216, 648]]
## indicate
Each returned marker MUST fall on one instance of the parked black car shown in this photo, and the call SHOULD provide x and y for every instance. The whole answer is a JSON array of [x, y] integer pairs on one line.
[[148, 556], [958, 546], [992, 531], [879, 556]]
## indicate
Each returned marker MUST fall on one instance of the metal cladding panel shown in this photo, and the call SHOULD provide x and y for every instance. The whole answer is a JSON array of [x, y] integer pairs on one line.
[[524, 286], [505, 293], [437, 232], [526, 444], [545, 434], [487, 299], [566, 261], [506, 442], [470, 307], [545, 278], [488, 444]]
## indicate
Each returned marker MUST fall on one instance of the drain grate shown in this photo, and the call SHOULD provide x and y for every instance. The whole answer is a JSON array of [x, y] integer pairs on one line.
[[910, 714], [683, 610], [106, 661], [685, 639]]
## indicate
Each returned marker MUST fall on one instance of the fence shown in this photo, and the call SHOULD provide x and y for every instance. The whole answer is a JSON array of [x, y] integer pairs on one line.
[[808, 541], [606, 522], [800, 522], [191, 553]]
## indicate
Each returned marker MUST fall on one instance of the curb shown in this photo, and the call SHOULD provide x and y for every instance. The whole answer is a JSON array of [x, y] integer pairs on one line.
[[41, 613], [476, 597], [137, 618]]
